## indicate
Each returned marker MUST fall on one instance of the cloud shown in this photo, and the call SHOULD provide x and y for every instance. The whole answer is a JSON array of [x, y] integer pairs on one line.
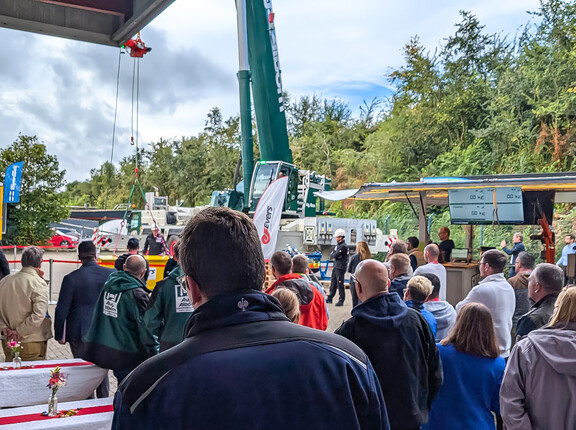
[[64, 91]]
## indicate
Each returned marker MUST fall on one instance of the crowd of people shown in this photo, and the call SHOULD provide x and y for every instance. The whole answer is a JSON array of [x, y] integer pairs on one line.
[[210, 349]]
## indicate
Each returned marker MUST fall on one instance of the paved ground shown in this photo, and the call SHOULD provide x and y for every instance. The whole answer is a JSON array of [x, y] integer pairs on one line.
[[64, 262]]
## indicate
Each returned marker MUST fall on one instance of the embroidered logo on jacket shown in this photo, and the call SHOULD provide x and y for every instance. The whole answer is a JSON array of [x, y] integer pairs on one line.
[[243, 304]]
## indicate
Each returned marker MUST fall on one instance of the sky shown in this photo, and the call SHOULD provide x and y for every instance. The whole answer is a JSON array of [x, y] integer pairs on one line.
[[64, 91]]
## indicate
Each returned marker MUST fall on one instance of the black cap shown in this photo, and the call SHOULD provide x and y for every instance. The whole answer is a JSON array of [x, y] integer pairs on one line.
[[133, 243], [86, 249]]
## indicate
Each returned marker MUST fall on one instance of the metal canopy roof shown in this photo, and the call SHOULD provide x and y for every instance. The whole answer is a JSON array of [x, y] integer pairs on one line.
[[106, 22], [436, 189]]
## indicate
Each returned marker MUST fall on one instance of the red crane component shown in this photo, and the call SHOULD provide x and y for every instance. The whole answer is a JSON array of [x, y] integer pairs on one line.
[[137, 47], [547, 238]]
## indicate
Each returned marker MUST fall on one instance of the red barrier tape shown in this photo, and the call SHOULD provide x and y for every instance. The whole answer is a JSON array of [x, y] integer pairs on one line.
[[47, 261], [39, 246], [38, 417]]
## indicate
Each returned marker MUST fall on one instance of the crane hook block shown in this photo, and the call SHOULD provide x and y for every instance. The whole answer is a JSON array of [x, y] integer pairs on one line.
[[137, 47]]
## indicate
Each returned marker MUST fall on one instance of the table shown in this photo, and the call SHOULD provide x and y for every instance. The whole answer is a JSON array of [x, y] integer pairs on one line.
[[95, 415], [28, 386]]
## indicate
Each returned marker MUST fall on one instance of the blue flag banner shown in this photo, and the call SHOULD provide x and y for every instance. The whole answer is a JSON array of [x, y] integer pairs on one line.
[[13, 182]]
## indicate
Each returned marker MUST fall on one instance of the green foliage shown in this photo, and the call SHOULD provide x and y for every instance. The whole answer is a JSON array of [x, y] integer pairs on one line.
[[477, 104], [40, 202]]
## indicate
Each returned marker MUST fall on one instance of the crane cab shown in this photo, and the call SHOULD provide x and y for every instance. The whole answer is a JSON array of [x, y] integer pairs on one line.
[[267, 172]]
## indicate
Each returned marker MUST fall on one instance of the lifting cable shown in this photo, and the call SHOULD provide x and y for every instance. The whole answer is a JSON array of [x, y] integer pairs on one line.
[[137, 51]]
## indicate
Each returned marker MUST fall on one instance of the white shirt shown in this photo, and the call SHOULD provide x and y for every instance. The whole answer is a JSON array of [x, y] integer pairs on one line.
[[434, 269], [498, 296]]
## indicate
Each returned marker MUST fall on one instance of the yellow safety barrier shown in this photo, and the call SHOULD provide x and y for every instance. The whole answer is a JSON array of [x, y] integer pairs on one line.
[[157, 264]]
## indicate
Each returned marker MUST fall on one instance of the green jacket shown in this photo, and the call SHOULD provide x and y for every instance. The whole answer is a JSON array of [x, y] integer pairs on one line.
[[168, 311], [118, 338]]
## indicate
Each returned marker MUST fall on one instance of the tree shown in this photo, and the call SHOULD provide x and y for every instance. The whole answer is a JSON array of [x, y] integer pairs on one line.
[[40, 200]]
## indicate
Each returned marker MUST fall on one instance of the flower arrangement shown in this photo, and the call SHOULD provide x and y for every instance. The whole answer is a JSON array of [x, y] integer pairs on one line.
[[57, 380], [15, 348]]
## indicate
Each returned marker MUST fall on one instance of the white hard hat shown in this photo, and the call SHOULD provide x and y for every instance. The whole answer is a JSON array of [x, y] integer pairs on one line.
[[339, 233]]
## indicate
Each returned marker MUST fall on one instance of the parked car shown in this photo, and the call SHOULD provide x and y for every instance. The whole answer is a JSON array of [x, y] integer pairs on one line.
[[69, 232], [63, 240]]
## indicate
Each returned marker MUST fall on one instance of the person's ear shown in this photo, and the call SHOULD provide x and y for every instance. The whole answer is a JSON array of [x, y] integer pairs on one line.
[[194, 294]]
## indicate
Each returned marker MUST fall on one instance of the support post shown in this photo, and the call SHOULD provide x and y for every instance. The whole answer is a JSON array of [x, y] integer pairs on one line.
[[51, 271], [246, 137], [423, 235]]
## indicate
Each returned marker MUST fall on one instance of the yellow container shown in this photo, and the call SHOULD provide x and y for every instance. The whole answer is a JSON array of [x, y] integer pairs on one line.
[[155, 274]]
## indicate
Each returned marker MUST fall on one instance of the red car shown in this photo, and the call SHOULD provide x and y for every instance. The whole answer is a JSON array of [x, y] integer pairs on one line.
[[63, 240]]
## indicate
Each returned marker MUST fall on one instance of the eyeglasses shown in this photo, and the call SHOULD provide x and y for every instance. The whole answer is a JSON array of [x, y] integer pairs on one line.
[[353, 278], [182, 282]]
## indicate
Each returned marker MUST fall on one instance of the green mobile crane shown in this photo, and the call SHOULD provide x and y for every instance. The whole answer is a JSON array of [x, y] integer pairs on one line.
[[260, 79]]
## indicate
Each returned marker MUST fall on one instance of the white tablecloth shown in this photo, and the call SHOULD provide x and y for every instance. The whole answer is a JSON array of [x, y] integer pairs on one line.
[[26, 387], [94, 421]]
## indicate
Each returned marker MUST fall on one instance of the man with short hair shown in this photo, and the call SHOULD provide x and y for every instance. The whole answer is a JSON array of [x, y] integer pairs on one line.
[[312, 305], [169, 308], [118, 338], [516, 249], [78, 296], [416, 256], [417, 291], [400, 345], [398, 247], [243, 363], [399, 266], [544, 285], [431, 254], [523, 266], [497, 295], [300, 266], [340, 256], [24, 308], [446, 245], [133, 247], [443, 312]]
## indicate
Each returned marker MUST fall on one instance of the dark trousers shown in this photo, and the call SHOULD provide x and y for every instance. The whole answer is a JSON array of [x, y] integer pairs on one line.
[[103, 390], [337, 283]]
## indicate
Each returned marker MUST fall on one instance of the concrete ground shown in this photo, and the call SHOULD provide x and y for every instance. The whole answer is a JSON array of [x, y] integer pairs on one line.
[[65, 261]]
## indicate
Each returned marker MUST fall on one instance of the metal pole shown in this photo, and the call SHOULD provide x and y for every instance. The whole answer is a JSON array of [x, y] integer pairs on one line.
[[245, 104], [51, 261], [15, 258]]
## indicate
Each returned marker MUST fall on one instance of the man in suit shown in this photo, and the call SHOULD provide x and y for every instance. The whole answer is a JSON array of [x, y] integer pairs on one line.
[[78, 295]]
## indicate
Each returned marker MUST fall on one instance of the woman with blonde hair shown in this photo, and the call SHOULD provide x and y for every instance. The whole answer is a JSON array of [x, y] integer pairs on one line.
[[539, 386], [472, 373], [362, 253], [290, 304]]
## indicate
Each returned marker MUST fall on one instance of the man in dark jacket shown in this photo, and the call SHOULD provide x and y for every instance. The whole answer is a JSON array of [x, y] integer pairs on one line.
[[523, 265], [340, 257], [516, 249], [133, 246], [118, 338], [544, 285], [243, 364], [399, 343], [399, 265], [169, 308], [78, 295]]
